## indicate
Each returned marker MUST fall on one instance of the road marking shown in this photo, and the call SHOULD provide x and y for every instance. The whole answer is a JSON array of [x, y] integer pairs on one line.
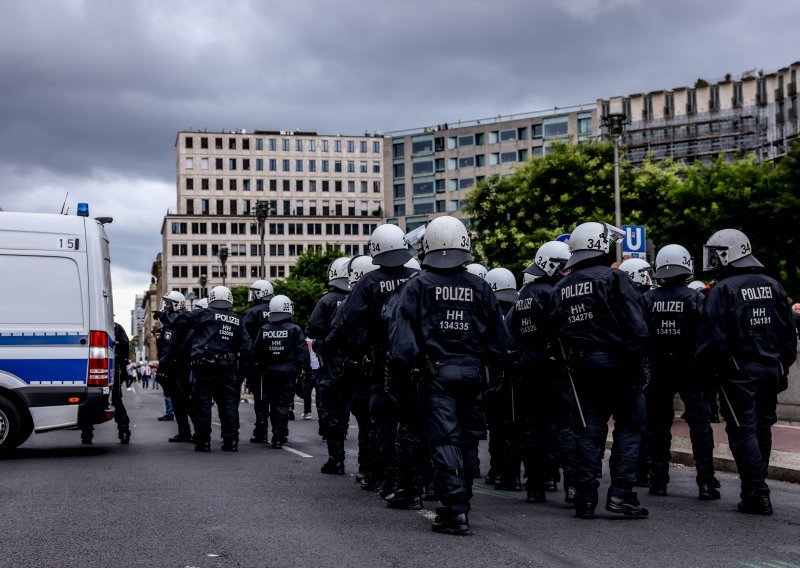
[[216, 424], [296, 452]]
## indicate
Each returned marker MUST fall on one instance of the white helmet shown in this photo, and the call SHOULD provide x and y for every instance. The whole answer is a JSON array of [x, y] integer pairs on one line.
[[337, 273], [674, 260], [260, 290], [220, 297], [446, 243], [503, 283], [280, 308], [592, 239], [527, 278], [201, 304], [413, 264], [388, 246], [728, 247], [697, 285], [477, 269], [359, 266], [550, 258], [639, 270], [174, 301]]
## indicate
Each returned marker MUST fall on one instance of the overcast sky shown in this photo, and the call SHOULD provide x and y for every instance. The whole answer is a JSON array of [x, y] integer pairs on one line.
[[94, 92]]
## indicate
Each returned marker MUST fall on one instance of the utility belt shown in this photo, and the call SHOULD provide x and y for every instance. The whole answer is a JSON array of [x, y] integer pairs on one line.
[[210, 359]]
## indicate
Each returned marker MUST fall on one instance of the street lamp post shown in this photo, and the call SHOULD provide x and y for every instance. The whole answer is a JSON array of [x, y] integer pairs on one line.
[[223, 258], [615, 127], [262, 212], [203, 281]]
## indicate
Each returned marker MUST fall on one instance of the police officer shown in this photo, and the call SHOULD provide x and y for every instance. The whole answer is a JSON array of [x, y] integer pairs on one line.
[[360, 316], [542, 400], [499, 400], [598, 314], [219, 337], [173, 366], [747, 339], [448, 323], [333, 402], [260, 294], [673, 312], [280, 353]]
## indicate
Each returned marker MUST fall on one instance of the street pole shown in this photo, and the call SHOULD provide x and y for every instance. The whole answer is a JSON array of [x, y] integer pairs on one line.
[[223, 258], [262, 212], [203, 281], [617, 197]]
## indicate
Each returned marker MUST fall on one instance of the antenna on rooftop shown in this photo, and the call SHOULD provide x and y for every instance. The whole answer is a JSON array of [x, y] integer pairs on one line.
[[64, 204]]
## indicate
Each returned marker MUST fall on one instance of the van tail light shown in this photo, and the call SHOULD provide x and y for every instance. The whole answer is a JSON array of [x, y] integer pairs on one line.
[[99, 360]]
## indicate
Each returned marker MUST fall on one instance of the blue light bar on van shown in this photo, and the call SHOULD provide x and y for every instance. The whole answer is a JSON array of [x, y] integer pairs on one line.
[[83, 209]]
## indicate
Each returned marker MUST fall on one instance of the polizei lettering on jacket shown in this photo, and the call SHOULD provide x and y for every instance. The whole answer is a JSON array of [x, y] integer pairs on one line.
[[390, 285], [233, 320], [671, 306], [275, 334], [577, 289], [524, 304], [454, 293], [758, 293]]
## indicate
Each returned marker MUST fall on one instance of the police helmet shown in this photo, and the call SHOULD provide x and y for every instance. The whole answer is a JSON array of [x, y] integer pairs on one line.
[[260, 290], [174, 301], [201, 304], [220, 297], [281, 308], [477, 269], [527, 278], [729, 247], [388, 246], [592, 239], [359, 266], [638, 270], [674, 260], [698, 285], [447, 243], [503, 283], [550, 258], [337, 273], [413, 264]]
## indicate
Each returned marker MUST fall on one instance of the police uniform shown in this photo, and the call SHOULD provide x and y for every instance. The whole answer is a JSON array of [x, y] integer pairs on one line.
[[121, 360], [360, 317], [219, 336], [747, 336], [541, 435], [448, 323], [598, 314], [334, 399], [173, 371], [253, 319], [673, 312], [279, 352]]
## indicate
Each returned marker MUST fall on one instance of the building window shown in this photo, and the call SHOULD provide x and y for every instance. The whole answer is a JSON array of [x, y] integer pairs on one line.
[[190, 206], [273, 185], [398, 170], [399, 209], [298, 165], [324, 145], [218, 163], [466, 162], [466, 140], [398, 149], [422, 167], [231, 163], [204, 206], [218, 184], [286, 165], [466, 183], [259, 164], [189, 183], [376, 147], [337, 166], [204, 143], [423, 187], [246, 164], [179, 228], [337, 145], [204, 183], [351, 146], [506, 157], [273, 165], [298, 145], [259, 185], [362, 167], [273, 144], [536, 131], [312, 145], [218, 143], [285, 144], [203, 163], [312, 165], [259, 143]]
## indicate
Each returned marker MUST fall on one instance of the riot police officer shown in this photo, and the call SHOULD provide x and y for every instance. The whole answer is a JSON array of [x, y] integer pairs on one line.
[[449, 324], [280, 353], [598, 314], [360, 317], [542, 433], [673, 312], [747, 340], [173, 366], [219, 338], [333, 398], [260, 294]]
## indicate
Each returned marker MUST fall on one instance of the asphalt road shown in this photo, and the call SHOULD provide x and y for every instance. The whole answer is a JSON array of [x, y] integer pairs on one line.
[[152, 503]]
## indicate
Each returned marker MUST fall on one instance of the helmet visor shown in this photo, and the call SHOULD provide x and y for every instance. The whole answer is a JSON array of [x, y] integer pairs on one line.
[[713, 257]]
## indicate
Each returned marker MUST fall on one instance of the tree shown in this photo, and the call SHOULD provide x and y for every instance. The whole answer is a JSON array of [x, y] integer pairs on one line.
[[314, 264]]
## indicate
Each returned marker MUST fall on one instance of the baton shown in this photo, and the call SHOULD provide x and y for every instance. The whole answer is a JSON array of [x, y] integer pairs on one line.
[[572, 383], [730, 406]]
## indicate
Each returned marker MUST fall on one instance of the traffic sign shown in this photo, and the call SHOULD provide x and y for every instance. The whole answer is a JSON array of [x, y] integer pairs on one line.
[[635, 242], [563, 238]]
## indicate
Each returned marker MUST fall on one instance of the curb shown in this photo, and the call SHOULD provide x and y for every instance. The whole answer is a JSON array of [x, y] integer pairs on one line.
[[777, 472]]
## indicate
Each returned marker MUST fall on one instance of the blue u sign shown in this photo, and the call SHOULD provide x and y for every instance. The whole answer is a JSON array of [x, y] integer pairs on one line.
[[635, 241]]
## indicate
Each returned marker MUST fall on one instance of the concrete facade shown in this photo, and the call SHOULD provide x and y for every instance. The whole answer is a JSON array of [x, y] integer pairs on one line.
[[322, 191]]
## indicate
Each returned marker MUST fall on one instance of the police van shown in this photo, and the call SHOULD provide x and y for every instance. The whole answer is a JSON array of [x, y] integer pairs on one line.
[[56, 324]]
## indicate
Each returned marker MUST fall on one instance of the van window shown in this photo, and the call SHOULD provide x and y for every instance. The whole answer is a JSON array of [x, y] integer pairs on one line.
[[46, 292]]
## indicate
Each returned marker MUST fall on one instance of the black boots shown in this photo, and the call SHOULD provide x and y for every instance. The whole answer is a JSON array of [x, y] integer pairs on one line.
[[627, 504], [408, 499], [585, 506], [230, 445], [202, 446], [333, 467], [755, 504], [447, 522], [658, 487], [707, 492], [536, 496], [181, 437], [124, 435]]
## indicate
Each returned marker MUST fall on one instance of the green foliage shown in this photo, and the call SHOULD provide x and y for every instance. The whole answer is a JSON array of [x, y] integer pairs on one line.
[[305, 293], [313, 264], [512, 216]]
